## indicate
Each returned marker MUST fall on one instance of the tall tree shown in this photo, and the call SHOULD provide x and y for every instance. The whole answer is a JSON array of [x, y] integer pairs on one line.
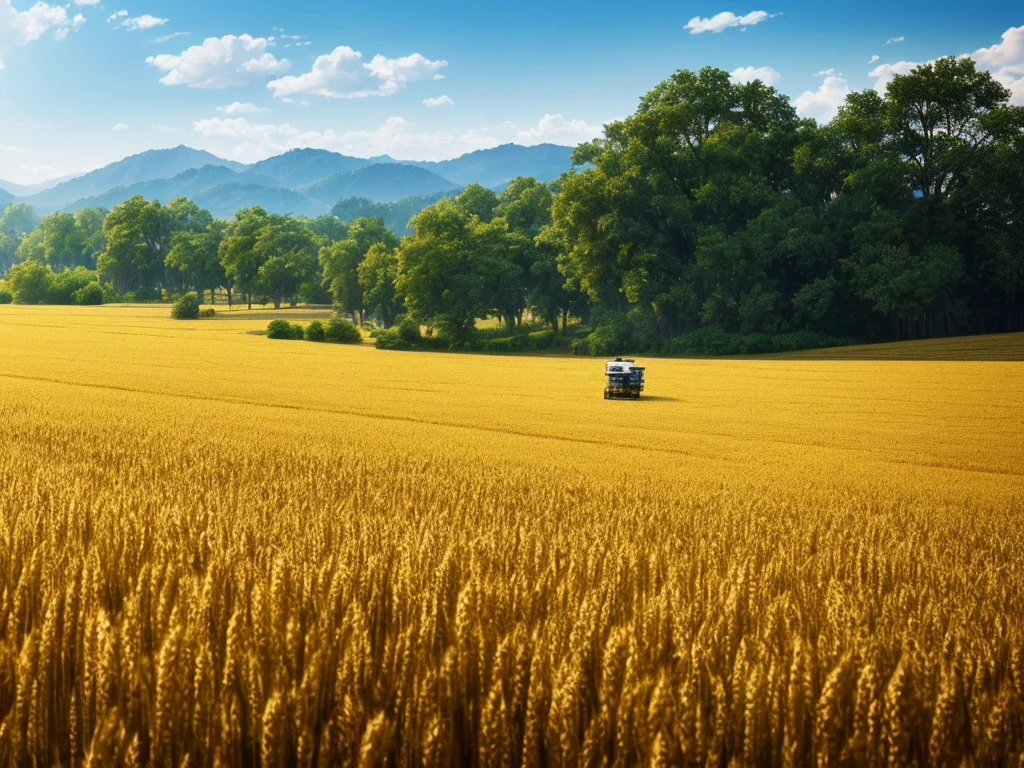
[[340, 261]]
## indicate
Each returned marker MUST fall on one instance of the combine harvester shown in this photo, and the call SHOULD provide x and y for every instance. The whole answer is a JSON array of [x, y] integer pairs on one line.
[[625, 380]]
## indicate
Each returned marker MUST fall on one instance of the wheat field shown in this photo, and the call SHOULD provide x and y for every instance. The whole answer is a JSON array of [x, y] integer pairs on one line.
[[219, 549]]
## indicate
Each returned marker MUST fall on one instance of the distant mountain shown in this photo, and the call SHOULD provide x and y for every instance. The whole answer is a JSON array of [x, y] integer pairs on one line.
[[5, 198], [396, 215], [498, 166], [224, 200], [381, 182], [301, 167], [21, 190], [188, 183], [147, 166]]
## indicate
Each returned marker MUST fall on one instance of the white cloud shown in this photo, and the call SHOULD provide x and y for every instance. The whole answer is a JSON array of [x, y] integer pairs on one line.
[[440, 101], [145, 21], [121, 127], [19, 28], [827, 72], [557, 130], [220, 63], [11, 149], [823, 103], [892, 40], [117, 15], [242, 108], [246, 142], [722, 21], [165, 38], [342, 74], [884, 73], [1005, 60], [874, 57], [766, 75]]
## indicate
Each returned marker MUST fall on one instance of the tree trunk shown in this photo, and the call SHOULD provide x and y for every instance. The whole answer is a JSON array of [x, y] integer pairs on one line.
[[248, 296]]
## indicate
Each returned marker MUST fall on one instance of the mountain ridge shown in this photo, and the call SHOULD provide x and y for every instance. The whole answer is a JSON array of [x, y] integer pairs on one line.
[[305, 180]]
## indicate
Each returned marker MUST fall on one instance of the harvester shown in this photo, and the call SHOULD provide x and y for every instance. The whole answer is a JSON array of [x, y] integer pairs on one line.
[[625, 380]]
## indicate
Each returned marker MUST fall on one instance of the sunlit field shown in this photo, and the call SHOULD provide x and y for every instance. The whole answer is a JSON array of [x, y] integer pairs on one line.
[[217, 548]]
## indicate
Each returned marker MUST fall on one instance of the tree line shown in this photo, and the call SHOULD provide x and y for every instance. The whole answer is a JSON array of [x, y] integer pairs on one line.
[[713, 209]]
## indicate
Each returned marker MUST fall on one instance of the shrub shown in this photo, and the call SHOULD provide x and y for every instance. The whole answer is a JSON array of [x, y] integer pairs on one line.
[[715, 341], [30, 282], [5, 296], [64, 285], [340, 331], [207, 312], [88, 294], [186, 307], [315, 331], [282, 329], [408, 330]]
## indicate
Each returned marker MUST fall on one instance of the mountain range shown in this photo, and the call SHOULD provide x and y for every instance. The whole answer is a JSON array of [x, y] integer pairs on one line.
[[306, 182]]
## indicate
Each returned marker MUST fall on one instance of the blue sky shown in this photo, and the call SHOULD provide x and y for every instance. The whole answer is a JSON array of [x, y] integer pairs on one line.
[[87, 82]]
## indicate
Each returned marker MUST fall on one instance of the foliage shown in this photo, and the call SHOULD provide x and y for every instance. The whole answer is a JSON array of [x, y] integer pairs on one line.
[[282, 329], [315, 331], [5, 295], [207, 312], [89, 294], [340, 331], [186, 307]]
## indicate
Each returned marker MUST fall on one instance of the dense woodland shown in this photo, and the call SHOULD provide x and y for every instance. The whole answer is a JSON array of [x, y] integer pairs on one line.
[[713, 209]]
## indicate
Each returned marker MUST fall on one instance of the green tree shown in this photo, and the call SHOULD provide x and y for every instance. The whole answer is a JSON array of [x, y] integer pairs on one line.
[[340, 261], [377, 273], [439, 275], [237, 251], [286, 252], [197, 256], [137, 234]]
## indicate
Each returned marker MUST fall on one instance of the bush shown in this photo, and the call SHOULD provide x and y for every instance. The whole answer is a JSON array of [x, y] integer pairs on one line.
[[207, 312], [64, 285], [340, 331], [5, 296], [88, 294], [282, 329], [315, 331], [186, 307]]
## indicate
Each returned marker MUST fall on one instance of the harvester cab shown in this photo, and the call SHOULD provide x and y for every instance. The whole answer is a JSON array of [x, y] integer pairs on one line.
[[625, 380]]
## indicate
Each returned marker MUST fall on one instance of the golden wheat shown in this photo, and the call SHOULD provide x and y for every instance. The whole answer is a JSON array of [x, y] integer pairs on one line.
[[216, 549]]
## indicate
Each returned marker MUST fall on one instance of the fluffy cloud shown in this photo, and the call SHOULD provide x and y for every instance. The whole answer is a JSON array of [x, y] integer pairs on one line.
[[220, 62], [342, 74], [875, 57], [121, 127], [117, 15], [722, 21], [1005, 60], [145, 21], [557, 130], [823, 103], [884, 73], [23, 27], [247, 142], [242, 108], [766, 75], [440, 101], [892, 40]]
